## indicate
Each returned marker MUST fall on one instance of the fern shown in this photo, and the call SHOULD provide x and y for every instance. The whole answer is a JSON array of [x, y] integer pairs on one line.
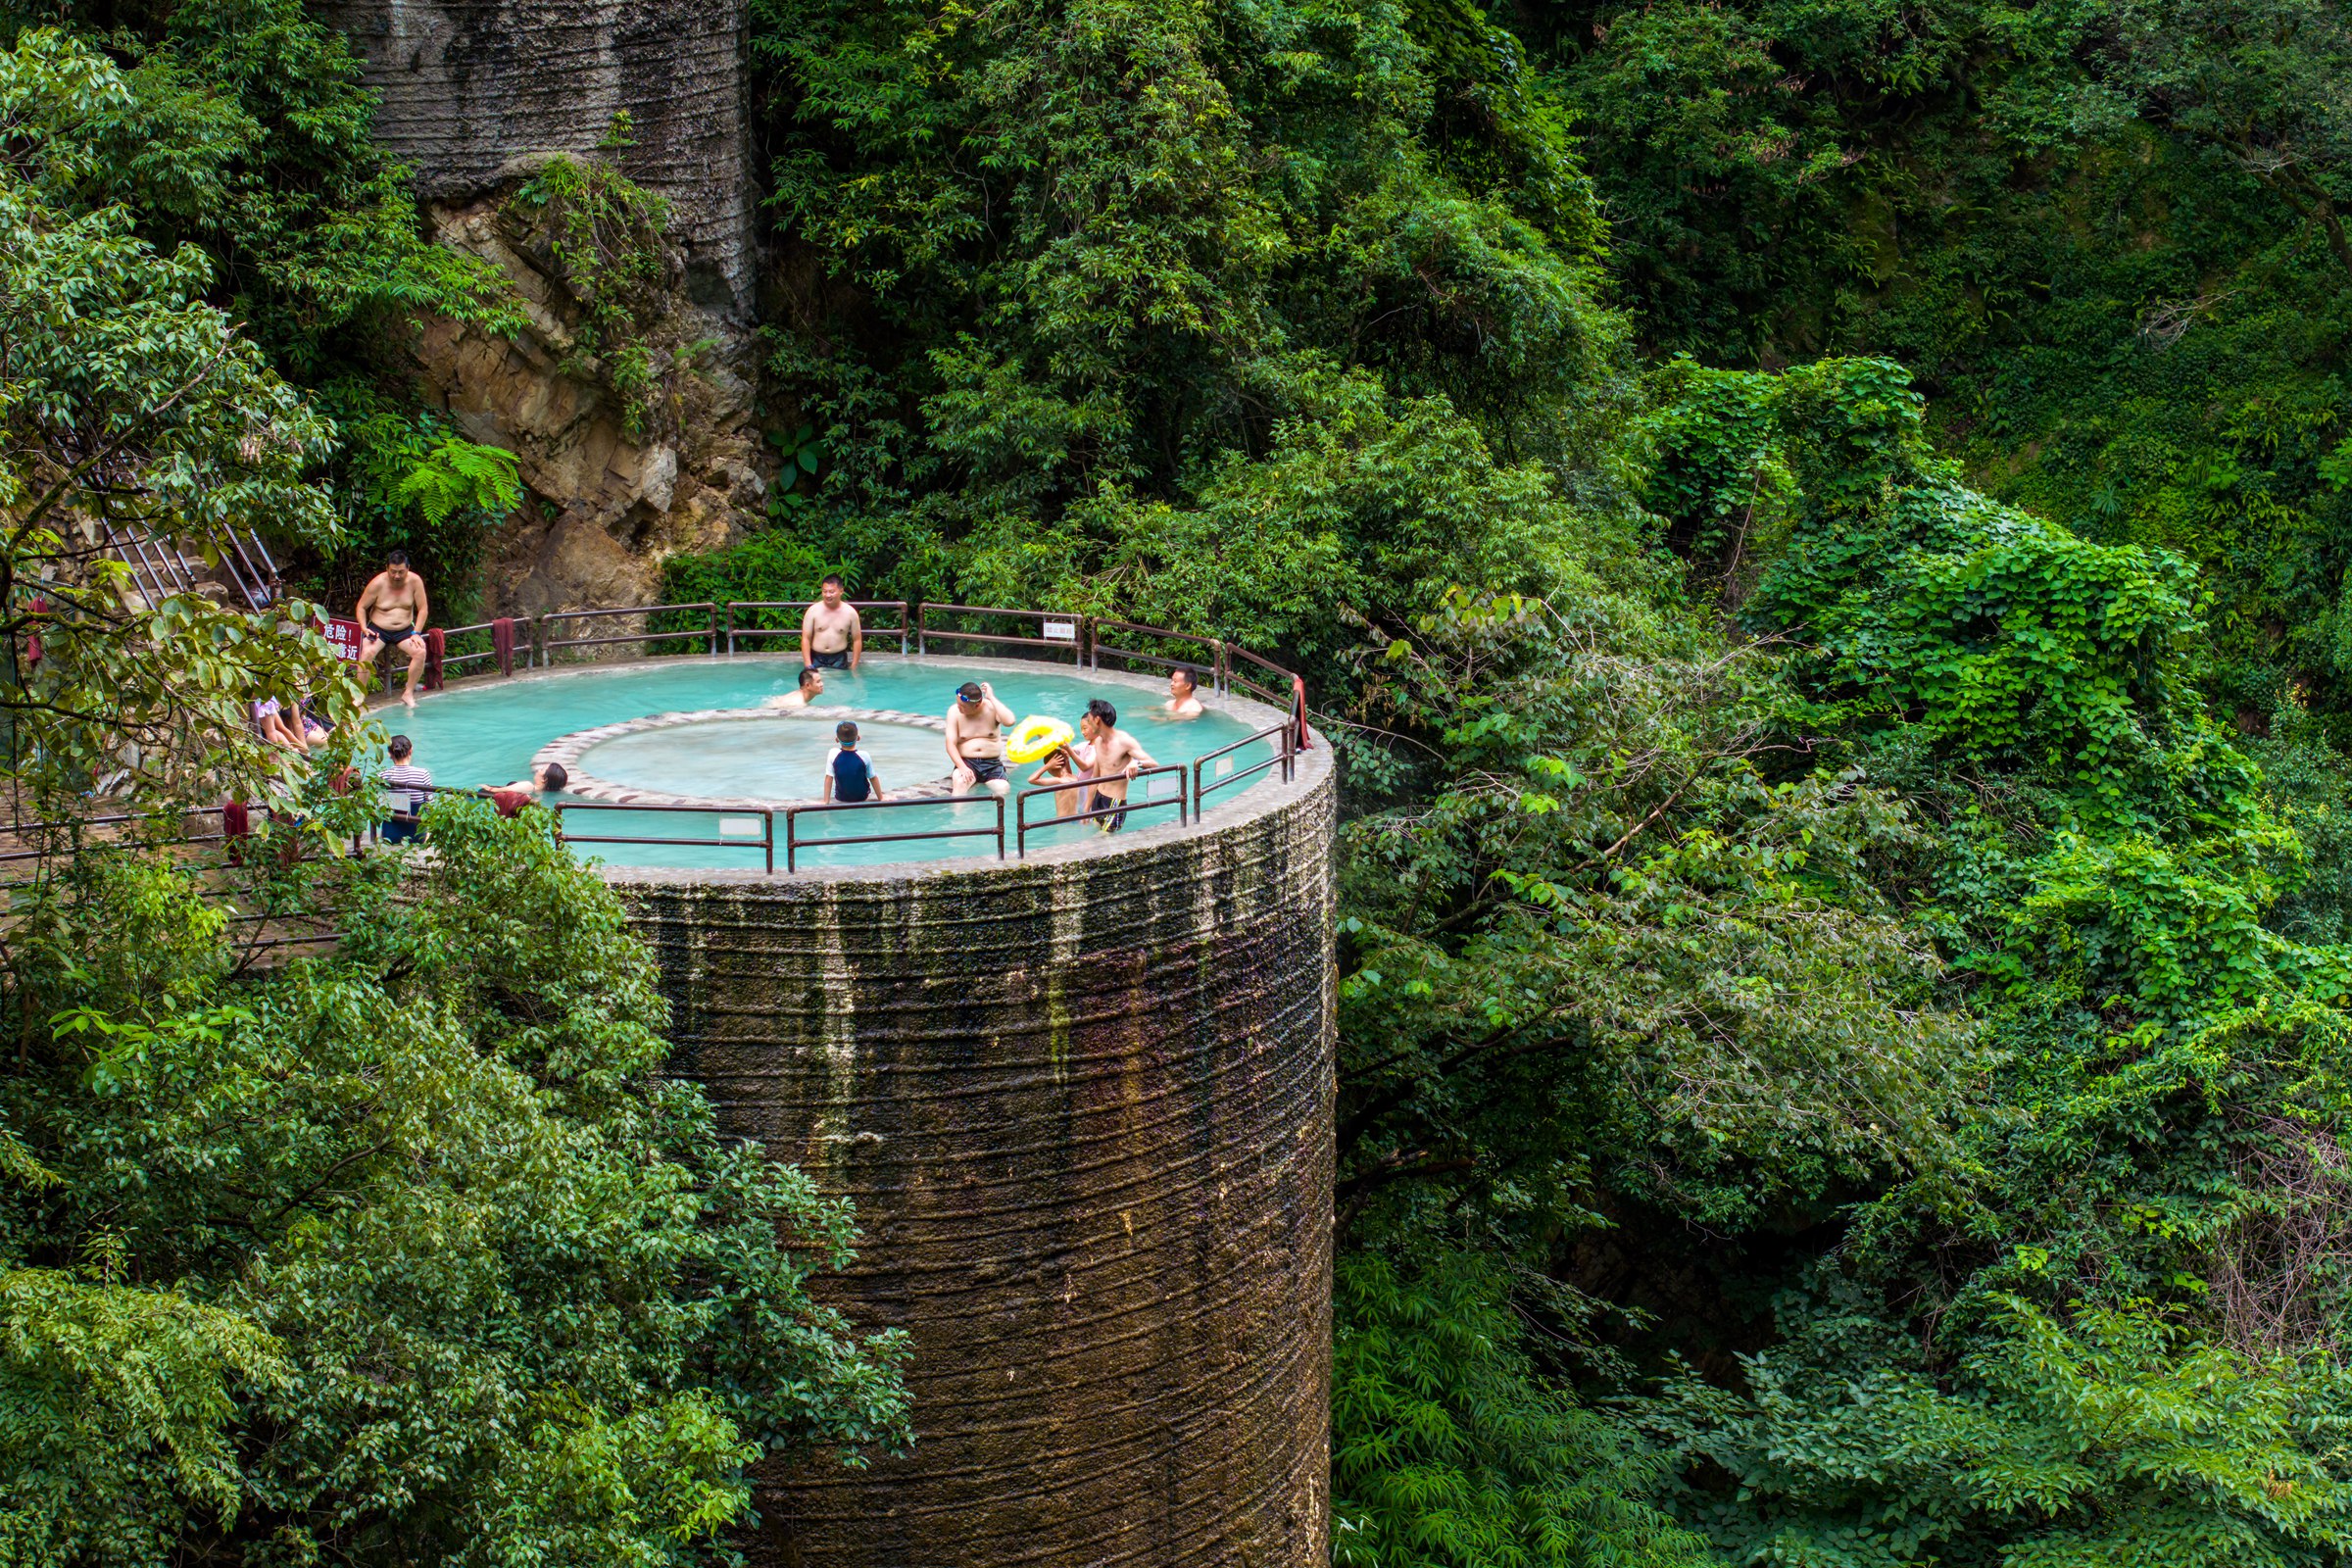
[[458, 476]]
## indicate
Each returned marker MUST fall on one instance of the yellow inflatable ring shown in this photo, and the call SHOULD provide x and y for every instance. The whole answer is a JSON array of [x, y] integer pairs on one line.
[[1034, 740]]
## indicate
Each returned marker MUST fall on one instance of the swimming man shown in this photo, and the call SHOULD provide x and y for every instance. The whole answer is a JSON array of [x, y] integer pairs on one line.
[[393, 608], [1115, 756], [975, 749], [832, 637], [813, 686], [1184, 695]]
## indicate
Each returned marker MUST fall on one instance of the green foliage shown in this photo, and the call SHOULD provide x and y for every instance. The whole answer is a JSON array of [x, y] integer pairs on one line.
[[453, 1269], [1455, 1453], [138, 406], [2099, 1438], [1088, 254], [239, 126], [2104, 233]]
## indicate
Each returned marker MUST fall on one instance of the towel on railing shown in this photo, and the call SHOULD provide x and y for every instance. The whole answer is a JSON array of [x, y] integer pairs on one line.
[[236, 822], [32, 639], [502, 641], [435, 644]]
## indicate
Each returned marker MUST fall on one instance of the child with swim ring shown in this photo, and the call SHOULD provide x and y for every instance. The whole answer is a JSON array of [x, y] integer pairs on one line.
[[1061, 767]]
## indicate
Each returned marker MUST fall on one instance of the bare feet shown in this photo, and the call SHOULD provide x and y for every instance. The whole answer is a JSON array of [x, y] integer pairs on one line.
[[407, 698]]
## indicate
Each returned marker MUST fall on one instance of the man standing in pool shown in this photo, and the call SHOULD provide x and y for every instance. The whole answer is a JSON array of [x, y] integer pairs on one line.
[[975, 747], [1114, 758], [393, 610], [832, 637]]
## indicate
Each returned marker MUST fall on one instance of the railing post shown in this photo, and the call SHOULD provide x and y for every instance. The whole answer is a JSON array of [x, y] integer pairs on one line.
[[790, 846], [713, 651], [1001, 828], [922, 646], [770, 842]]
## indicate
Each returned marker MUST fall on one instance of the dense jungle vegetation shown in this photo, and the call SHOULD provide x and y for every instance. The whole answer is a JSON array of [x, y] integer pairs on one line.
[[1818, 527]]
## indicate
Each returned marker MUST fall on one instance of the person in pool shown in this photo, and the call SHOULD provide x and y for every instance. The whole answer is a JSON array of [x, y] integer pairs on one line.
[[393, 608], [832, 637], [850, 776], [1115, 756], [975, 742], [1183, 696], [547, 778], [1061, 767], [813, 686]]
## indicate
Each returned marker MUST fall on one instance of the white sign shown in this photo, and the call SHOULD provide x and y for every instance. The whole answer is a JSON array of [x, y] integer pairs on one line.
[[1062, 631], [1223, 768], [731, 826]]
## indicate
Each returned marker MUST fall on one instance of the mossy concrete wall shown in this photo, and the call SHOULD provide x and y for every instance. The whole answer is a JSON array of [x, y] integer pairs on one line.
[[1084, 1105], [478, 92]]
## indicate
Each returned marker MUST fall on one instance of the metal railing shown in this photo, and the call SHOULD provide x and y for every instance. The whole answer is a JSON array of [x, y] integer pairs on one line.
[[1087, 640], [902, 630], [543, 647], [765, 843], [1056, 632], [1286, 757], [486, 630], [794, 843], [1097, 649], [1023, 826]]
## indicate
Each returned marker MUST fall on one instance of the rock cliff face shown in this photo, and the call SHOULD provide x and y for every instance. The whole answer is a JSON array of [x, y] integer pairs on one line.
[[607, 503], [478, 95]]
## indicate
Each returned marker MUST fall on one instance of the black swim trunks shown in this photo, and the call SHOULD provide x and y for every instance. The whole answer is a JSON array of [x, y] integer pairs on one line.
[[985, 770], [388, 637], [837, 659], [1097, 801]]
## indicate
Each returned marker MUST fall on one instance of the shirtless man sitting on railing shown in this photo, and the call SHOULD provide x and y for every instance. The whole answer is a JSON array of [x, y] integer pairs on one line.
[[975, 747], [393, 608]]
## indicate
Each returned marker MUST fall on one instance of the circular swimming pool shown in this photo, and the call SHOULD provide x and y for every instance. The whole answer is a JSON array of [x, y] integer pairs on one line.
[[696, 736]]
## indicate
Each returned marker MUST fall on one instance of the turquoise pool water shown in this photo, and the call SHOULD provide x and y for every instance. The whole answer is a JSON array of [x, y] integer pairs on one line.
[[487, 733]]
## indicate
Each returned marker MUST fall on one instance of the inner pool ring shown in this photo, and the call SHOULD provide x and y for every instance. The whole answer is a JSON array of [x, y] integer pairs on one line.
[[574, 750]]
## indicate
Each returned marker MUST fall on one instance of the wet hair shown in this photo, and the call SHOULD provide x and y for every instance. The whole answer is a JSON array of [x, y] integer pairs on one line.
[[1103, 714], [845, 732], [396, 558], [807, 670], [832, 580], [400, 746], [1062, 753], [552, 776], [969, 692], [1190, 679]]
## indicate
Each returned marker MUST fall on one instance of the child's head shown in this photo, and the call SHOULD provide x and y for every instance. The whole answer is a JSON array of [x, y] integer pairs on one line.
[[846, 733], [1060, 761]]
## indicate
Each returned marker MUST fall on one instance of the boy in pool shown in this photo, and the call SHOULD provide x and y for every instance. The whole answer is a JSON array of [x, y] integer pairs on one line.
[[1061, 767], [850, 776]]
